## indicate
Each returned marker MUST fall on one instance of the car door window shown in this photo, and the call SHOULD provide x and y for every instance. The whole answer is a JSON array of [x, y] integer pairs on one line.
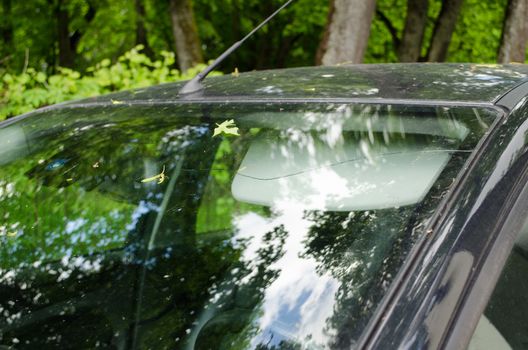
[[505, 321]]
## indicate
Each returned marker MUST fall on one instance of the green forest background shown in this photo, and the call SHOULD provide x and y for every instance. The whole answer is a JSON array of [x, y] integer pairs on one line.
[[56, 50]]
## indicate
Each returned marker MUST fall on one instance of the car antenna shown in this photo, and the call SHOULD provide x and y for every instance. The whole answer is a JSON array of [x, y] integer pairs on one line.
[[195, 84]]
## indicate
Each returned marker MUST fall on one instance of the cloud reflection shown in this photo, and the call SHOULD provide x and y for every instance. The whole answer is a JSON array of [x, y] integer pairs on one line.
[[291, 296]]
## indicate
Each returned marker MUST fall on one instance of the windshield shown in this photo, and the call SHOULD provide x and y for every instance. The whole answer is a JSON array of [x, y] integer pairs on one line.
[[225, 226]]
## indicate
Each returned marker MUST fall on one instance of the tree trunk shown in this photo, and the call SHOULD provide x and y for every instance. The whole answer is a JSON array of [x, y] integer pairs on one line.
[[410, 46], [514, 32], [6, 27], [264, 39], [141, 32], [66, 55], [185, 33], [443, 30], [347, 32], [285, 49], [68, 42]]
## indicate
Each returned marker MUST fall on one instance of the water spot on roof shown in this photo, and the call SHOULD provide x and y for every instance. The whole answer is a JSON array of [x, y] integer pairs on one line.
[[270, 89], [371, 91]]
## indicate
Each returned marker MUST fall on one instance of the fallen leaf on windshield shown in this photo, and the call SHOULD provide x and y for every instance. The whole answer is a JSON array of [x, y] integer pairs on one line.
[[228, 127], [160, 177]]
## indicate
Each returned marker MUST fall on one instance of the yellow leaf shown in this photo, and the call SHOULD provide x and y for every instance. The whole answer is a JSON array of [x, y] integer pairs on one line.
[[160, 177], [227, 127]]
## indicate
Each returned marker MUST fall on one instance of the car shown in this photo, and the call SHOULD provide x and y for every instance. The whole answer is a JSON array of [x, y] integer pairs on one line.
[[355, 206]]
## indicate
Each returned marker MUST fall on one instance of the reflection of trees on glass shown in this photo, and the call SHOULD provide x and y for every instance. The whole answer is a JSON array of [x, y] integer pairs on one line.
[[218, 206], [90, 255], [208, 270], [354, 248], [73, 217], [78, 194], [238, 298]]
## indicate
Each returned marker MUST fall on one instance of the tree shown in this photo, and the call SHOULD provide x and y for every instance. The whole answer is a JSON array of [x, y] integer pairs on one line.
[[185, 33], [478, 31], [410, 46], [443, 30], [66, 52], [6, 27], [347, 31], [141, 32], [68, 40], [514, 33]]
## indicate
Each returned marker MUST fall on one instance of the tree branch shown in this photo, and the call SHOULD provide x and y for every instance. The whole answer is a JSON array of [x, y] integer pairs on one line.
[[392, 30]]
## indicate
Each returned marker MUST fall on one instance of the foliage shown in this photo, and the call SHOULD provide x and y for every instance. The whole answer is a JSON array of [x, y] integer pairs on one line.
[[291, 39], [109, 34], [32, 35], [32, 89], [102, 32], [475, 39], [381, 46], [35, 37], [478, 32]]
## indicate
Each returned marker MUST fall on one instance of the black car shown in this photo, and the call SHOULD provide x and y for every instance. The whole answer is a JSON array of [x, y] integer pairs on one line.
[[362, 206]]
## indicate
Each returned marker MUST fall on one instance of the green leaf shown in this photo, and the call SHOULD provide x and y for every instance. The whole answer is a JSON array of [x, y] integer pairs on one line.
[[227, 127]]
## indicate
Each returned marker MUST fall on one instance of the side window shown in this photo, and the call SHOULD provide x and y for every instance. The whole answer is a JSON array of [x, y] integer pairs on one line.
[[504, 324]]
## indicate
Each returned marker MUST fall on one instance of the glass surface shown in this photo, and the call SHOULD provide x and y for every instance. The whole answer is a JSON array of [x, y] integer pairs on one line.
[[126, 227], [507, 309]]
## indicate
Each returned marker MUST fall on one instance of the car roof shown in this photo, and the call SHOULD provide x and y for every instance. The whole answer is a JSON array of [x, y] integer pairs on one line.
[[469, 83]]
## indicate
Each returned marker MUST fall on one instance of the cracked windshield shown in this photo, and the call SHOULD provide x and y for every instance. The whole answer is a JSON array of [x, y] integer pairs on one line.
[[216, 226]]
